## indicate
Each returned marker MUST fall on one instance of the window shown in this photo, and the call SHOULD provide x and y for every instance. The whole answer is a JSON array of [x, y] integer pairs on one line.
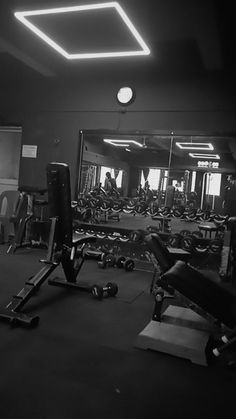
[[213, 184], [153, 178], [104, 170], [119, 179], [193, 183], [165, 180]]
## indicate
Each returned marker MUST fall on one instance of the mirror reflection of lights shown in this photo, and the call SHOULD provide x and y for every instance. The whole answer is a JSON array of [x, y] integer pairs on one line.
[[195, 146], [122, 143], [23, 18], [204, 156]]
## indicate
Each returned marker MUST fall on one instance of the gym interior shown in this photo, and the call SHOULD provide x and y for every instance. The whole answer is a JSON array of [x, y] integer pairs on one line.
[[143, 91]]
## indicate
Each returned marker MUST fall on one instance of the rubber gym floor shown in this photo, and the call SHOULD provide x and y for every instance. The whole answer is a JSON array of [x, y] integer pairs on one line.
[[81, 360]]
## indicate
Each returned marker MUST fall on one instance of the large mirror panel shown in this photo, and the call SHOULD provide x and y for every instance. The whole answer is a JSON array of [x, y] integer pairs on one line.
[[171, 172], [181, 186], [128, 157]]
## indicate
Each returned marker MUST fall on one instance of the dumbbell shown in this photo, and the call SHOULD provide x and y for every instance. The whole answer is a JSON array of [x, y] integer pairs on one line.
[[216, 246], [137, 236], [174, 240], [108, 260], [126, 263], [184, 233], [187, 242], [110, 290]]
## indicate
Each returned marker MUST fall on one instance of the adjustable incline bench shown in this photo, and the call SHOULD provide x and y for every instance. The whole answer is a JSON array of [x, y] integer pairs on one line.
[[64, 248], [206, 308]]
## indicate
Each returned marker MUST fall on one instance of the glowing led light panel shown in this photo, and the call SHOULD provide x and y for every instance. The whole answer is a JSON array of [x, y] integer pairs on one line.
[[195, 146], [23, 18], [122, 143], [204, 156]]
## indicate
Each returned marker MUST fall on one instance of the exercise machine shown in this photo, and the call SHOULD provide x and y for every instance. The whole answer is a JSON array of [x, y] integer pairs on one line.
[[205, 309], [30, 216], [64, 248]]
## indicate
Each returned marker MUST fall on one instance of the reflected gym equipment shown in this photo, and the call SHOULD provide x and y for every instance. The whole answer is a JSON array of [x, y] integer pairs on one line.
[[174, 240], [187, 242], [208, 229]]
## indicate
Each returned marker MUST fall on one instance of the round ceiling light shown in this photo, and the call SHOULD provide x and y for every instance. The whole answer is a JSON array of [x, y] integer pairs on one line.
[[125, 95]]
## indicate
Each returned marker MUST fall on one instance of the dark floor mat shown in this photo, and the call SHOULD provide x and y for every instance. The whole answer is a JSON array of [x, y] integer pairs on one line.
[[131, 284]]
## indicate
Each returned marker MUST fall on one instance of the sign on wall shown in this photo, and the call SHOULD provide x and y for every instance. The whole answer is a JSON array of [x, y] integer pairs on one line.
[[29, 151]]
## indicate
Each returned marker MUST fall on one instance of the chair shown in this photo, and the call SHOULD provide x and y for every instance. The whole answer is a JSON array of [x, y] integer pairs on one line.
[[23, 217], [8, 204]]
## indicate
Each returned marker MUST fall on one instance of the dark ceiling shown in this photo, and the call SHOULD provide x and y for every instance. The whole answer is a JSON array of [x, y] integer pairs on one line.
[[186, 38]]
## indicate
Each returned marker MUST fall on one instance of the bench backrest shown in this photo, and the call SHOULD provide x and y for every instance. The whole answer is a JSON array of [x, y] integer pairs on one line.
[[159, 250], [204, 291], [59, 201]]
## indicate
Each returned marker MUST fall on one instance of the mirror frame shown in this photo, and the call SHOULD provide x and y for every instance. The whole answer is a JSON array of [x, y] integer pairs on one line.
[[105, 131]]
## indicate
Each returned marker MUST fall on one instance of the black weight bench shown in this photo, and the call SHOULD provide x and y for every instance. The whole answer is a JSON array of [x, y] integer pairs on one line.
[[206, 306], [166, 256], [64, 248]]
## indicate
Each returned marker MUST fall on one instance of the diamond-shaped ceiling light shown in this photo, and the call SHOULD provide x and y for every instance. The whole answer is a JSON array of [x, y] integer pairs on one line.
[[122, 143], [34, 21], [204, 156], [195, 146]]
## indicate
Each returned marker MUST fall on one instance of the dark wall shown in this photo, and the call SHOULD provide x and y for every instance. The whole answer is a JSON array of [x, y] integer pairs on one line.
[[52, 114]]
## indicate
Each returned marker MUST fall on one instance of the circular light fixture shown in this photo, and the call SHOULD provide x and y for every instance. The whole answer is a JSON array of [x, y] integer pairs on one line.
[[125, 95]]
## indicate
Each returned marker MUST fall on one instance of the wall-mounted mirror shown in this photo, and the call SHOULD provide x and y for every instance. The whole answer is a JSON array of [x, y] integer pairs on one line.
[[170, 170], [182, 186]]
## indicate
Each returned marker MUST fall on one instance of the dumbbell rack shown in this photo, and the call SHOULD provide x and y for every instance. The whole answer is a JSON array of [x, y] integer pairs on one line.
[[119, 241], [116, 241]]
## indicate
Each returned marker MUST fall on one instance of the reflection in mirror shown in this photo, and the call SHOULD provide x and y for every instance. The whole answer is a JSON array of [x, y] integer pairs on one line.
[[182, 187], [131, 159], [170, 172]]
